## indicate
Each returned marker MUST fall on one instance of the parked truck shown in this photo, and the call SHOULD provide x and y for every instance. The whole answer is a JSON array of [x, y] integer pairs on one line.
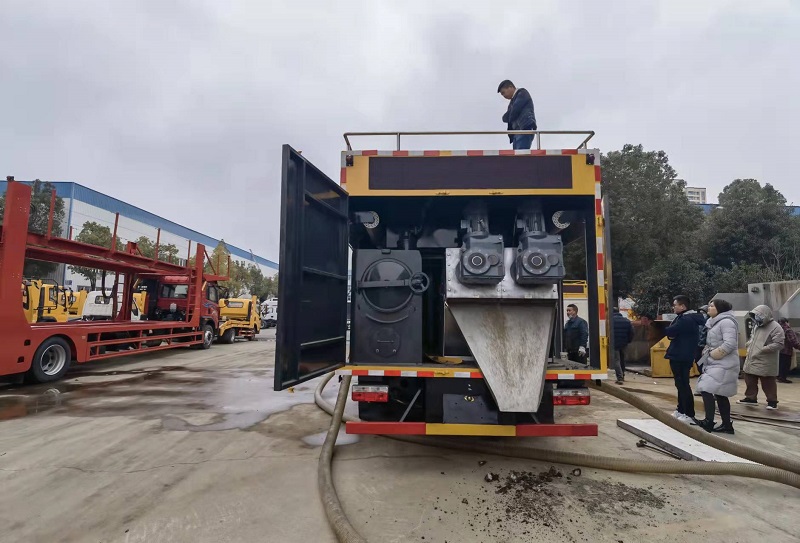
[[43, 301], [239, 319], [181, 301], [99, 306], [456, 276]]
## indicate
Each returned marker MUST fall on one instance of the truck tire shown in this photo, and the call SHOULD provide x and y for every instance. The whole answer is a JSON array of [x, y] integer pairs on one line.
[[51, 361], [208, 336], [228, 336]]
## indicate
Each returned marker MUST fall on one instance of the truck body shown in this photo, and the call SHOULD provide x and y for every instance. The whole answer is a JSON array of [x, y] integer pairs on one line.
[[269, 313], [456, 281], [42, 301], [239, 319], [99, 305], [74, 301], [44, 351]]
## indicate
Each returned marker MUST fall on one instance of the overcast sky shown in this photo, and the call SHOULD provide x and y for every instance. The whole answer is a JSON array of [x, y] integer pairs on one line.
[[181, 107]]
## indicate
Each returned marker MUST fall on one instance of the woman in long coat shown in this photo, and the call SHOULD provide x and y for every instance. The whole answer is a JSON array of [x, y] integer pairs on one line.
[[720, 363]]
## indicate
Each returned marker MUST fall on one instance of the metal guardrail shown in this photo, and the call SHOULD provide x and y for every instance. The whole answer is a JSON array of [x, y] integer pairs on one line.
[[537, 135]]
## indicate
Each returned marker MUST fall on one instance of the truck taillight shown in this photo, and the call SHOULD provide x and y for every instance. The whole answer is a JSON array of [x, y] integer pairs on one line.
[[370, 393], [571, 396]]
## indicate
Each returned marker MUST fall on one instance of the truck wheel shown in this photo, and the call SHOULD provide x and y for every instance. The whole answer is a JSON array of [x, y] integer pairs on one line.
[[208, 336], [51, 361], [227, 336]]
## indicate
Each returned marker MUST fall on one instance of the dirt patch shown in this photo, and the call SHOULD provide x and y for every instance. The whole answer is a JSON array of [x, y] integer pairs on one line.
[[553, 505]]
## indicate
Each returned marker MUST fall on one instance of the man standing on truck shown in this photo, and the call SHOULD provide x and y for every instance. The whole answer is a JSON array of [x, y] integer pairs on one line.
[[684, 335], [576, 335], [519, 115]]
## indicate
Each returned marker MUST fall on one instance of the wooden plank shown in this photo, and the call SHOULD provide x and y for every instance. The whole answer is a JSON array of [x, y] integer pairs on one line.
[[673, 441]]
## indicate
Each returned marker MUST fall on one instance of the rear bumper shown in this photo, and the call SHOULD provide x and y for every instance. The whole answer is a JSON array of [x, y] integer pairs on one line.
[[430, 429], [464, 373]]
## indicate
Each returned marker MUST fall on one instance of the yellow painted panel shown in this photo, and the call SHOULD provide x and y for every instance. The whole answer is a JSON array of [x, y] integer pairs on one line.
[[433, 429], [357, 179]]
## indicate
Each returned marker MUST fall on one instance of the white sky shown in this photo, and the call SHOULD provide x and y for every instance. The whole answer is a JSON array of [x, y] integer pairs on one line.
[[181, 107]]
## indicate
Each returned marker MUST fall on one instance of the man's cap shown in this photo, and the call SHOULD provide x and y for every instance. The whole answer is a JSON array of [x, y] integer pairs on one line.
[[503, 84]]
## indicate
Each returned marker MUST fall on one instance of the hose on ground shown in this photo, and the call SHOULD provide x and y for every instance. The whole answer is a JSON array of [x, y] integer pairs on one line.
[[726, 445], [346, 533], [330, 500]]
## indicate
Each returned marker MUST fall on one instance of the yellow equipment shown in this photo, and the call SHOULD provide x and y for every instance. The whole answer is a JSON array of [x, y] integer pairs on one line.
[[659, 366], [42, 302], [239, 318], [72, 300]]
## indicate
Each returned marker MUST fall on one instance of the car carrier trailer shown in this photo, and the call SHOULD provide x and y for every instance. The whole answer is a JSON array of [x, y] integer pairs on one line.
[[44, 351]]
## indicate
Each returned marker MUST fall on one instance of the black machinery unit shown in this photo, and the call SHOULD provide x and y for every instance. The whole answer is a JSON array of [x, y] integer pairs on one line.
[[387, 312]]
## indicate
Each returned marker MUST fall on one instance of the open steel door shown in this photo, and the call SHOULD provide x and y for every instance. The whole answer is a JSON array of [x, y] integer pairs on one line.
[[312, 285]]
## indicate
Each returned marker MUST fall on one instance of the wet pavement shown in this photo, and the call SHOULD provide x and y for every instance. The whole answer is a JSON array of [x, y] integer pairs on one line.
[[196, 446]]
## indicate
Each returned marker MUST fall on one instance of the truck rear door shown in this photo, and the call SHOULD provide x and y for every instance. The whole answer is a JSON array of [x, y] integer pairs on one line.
[[312, 287]]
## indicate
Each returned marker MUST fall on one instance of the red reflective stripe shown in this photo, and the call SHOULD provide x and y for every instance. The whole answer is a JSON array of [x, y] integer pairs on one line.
[[369, 153], [568, 376], [360, 372], [474, 153], [602, 312], [424, 374], [538, 152], [399, 153], [506, 152], [391, 373], [569, 151], [386, 428], [476, 375], [343, 176], [600, 261], [598, 177], [555, 430], [598, 207], [572, 400], [431, 153]]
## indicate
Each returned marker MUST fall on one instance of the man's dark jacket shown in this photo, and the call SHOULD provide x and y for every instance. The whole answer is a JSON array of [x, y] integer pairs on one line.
[[576, 334], [684, 333], [520, 114], [623, 331]]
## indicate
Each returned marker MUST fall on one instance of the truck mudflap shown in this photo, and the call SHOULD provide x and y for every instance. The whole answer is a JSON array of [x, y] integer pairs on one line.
[[437, 429]]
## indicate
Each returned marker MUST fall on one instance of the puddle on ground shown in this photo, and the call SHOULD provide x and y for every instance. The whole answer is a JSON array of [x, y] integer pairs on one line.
[[239, 399], [317, 440]]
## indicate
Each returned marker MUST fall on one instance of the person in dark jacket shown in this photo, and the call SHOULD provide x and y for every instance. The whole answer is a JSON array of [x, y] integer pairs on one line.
[[576, 335], [520, 115], [623, 335], [684, 335], [786, 354], [701, 345]]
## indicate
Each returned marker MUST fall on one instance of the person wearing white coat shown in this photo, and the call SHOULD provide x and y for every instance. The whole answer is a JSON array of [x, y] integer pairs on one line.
[[720, 363]]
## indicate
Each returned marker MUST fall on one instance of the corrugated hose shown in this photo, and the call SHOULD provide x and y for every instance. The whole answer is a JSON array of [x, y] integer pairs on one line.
[[775, 468]]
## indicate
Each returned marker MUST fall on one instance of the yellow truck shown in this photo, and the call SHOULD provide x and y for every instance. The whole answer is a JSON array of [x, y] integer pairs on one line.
[[43, 301], [74, 301], [239, 318]]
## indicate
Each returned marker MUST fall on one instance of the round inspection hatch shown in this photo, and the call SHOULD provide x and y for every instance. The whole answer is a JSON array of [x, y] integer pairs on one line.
[[387, 299]]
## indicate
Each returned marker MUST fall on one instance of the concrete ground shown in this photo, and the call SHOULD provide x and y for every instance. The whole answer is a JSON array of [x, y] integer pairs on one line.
[[194, 446]]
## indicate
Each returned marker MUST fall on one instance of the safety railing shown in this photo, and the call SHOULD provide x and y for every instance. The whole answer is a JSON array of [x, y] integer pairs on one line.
[[537, 135]]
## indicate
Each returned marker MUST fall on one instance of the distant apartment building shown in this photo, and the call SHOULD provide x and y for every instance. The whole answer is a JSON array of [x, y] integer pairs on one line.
[[696, 195]]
